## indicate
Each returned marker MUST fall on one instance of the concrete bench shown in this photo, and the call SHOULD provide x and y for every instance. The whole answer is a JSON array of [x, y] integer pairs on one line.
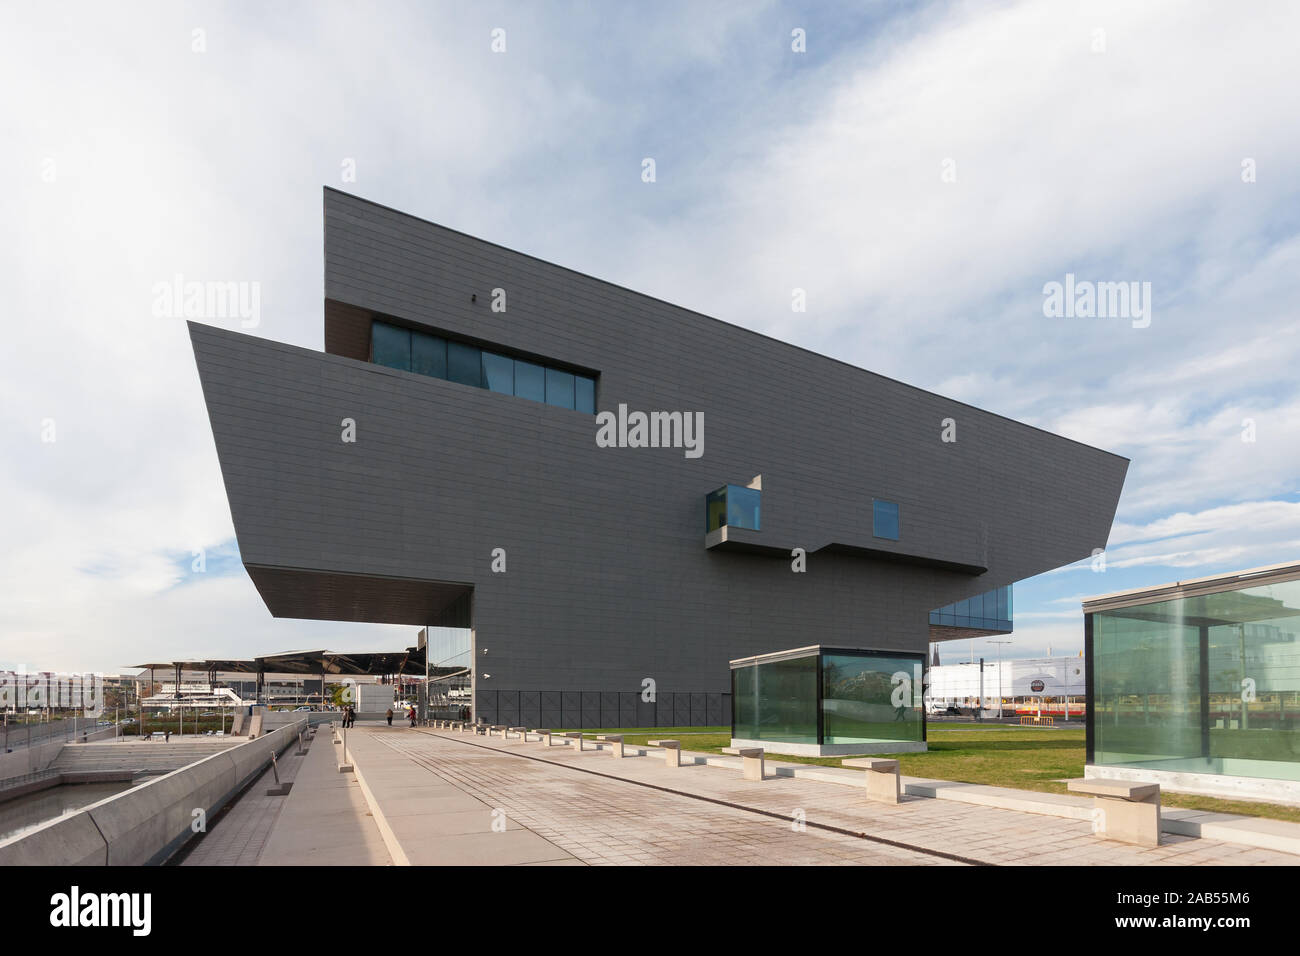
[[521, 731], [544, 737], [751, 761], [492, 730], [1121, 810], [672, 751], [616, 740], [883, 783], [575, 740], [480, 730]]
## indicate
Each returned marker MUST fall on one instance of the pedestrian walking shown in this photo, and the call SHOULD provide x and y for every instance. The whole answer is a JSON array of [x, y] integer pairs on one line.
[[390, 716]]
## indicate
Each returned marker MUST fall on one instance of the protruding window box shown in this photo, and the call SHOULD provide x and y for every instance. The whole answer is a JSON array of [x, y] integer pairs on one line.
[[733, 521]]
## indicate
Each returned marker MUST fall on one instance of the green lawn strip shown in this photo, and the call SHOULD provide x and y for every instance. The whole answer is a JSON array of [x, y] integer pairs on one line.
[[1029, 758]]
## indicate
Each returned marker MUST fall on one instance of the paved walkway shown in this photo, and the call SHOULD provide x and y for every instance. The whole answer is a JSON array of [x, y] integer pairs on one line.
[[438, 793], [323, 820], [442, 797]]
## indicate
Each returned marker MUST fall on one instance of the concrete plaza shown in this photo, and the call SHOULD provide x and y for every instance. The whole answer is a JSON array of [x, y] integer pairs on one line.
[[442, 797]]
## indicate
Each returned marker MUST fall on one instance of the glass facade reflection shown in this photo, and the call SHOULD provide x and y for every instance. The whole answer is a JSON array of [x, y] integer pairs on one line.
[[871, 697], [426, 354], [449, 658], [1206, 684], [733, 505], [823, 695], [990, 611], [776, 700]]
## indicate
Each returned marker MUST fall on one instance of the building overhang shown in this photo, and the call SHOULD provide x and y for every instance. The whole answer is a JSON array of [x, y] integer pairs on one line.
[[371, 599], [747, 541]]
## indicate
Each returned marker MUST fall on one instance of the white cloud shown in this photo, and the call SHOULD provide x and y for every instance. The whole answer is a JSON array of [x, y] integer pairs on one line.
[[821, 173]]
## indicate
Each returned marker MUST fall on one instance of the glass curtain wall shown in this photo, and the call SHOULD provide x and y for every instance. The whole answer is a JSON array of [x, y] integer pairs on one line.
[[776, 700], [1207, 684], [829, 696], [449, 658], [871, 697]]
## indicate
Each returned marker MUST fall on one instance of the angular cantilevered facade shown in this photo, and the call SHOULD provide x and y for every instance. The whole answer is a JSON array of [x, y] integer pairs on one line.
[[467, 453]]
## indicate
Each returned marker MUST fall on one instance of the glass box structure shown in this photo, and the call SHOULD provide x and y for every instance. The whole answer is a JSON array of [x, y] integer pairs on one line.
[[1197, 685], [818, 701]]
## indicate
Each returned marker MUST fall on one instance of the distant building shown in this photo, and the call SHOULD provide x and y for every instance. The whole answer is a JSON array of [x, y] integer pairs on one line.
[[1033, 678]]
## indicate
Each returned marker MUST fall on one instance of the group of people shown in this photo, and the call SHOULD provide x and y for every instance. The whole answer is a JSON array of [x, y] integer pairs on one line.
[[410, 714], [350, 716]]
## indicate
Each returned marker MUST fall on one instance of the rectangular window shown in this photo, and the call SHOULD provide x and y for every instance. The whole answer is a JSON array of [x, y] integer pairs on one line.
[[559, 388], [530, 381], [464, 364], [428, 355], [884, 515], [584, 394], [391, 346], [499, 373], [438, 357]]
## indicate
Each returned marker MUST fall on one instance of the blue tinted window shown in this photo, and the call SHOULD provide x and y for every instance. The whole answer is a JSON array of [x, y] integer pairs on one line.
[[428, 355], [559, 388], [499, 373], [885, 519], [530, 381], [584, 394], [733, 506], [464, 364], [390, 346]]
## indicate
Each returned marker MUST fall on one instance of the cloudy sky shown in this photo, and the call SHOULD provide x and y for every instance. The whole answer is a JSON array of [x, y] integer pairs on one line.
[[922, 170]]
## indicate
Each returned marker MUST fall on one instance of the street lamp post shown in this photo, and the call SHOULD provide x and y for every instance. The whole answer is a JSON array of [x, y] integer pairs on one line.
[[999, 643]]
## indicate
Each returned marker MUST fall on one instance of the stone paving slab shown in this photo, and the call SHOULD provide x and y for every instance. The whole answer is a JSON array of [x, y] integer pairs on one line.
[[427, 820], [985, 833], [590, 819]]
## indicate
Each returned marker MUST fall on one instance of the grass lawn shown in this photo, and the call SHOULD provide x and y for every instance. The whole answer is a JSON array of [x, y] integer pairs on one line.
[[1023, 758]]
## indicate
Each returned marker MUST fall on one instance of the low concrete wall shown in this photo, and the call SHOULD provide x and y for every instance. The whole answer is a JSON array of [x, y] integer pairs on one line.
[[834, 750], [146, 824], [1207, 784], [279, 718], [29, 759]]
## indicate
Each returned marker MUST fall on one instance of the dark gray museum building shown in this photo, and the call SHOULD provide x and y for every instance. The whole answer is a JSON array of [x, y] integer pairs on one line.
[[472, 375]]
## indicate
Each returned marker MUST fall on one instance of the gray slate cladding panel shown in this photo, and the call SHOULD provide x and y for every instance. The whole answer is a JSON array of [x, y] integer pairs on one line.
[[607, 579]]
